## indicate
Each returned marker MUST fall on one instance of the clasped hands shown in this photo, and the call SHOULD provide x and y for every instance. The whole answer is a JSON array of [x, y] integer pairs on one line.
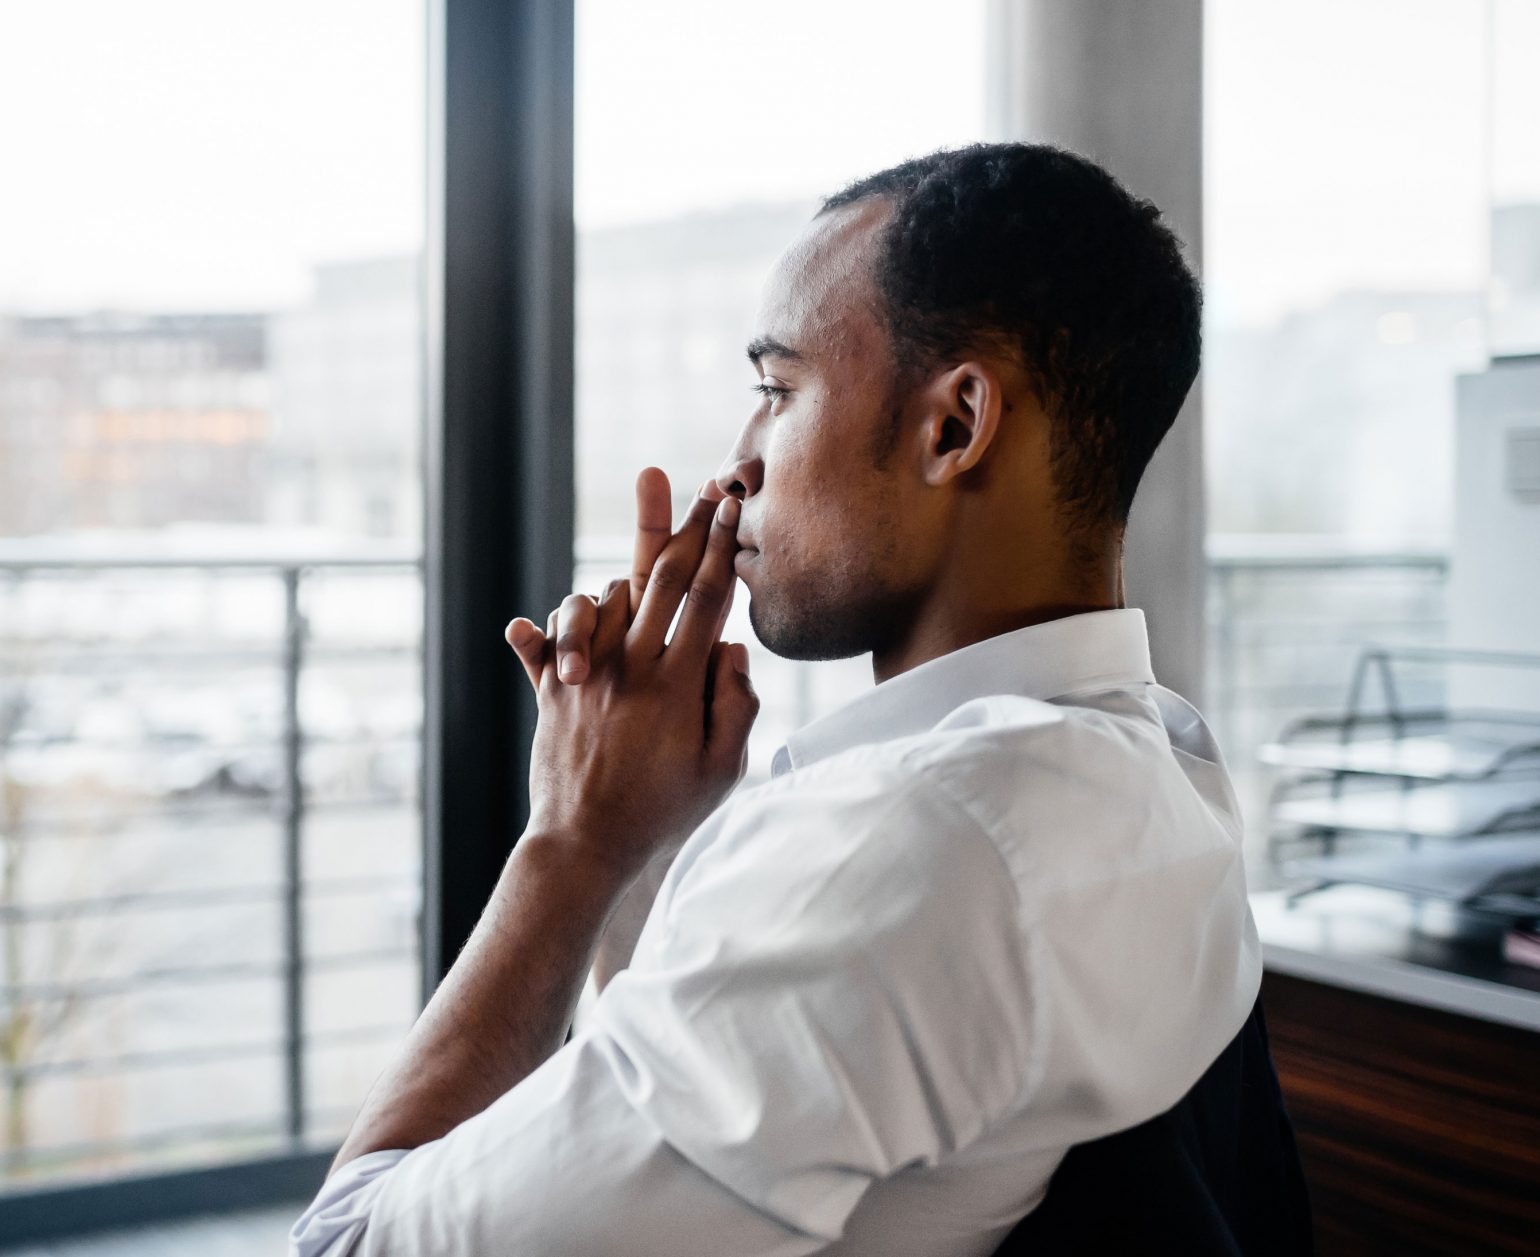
[[640, 738]]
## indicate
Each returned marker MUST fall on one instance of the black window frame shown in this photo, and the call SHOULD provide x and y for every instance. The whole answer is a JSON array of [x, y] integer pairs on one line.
[[498, 283]]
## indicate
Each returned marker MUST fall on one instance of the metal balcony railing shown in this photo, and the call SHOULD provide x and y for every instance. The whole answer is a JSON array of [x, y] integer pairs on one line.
[[1287, 617], [274, 788]]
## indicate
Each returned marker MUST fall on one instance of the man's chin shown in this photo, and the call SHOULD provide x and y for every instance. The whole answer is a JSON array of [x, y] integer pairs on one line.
[[802, 638]]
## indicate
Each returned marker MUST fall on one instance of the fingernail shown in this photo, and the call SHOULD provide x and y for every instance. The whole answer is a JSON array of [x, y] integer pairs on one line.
[[727, 512], [570, 666], [739, 653]]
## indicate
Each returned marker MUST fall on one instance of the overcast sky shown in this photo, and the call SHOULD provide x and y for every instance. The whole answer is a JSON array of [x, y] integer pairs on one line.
[[204, 155]]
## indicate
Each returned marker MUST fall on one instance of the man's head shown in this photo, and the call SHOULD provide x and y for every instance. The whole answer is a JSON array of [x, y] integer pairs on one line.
[[966, 363]]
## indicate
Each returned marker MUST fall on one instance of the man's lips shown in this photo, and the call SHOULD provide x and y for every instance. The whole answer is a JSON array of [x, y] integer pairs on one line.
[[748, 548]]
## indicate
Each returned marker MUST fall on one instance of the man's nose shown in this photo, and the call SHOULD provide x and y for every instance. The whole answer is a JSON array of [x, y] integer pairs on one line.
[[741, 476]]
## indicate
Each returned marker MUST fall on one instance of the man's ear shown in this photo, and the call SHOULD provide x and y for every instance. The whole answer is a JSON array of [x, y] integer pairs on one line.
[[962, 417]]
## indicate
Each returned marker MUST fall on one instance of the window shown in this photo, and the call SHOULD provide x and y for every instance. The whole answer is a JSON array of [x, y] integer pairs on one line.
[[210, 599], [1372, 224]]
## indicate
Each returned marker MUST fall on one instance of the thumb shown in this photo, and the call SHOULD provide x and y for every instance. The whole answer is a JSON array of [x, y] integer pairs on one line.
[[734, 705]]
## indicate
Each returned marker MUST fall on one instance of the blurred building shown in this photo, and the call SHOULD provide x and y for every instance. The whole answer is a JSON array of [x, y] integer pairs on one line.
[[312, 416], [664, 310], [309, 416], [346, 372], [131, 421], [1340, 419]]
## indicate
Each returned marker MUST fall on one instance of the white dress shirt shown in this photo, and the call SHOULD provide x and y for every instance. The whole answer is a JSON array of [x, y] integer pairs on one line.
[[991, 908]]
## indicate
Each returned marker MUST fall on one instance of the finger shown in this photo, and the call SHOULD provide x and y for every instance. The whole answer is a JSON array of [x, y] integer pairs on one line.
[[548, 656], [671, 578], [727, 609], [528, 644], [654, 526], [614, 617], [706, 601], [734, 708], [576, 619]]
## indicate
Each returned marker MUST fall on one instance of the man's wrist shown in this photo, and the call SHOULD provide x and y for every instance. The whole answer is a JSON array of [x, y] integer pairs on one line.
[[580, 861]]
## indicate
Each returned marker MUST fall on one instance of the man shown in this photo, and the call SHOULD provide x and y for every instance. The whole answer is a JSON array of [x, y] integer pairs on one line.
[[989, 911]]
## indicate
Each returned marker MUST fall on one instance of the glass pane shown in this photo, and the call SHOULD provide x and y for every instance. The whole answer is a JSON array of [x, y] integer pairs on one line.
[[1346, 237], [689, 184], [210, 596]]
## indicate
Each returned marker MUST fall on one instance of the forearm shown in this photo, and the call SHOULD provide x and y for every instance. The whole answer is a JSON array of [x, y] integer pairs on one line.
[[505, 1005]]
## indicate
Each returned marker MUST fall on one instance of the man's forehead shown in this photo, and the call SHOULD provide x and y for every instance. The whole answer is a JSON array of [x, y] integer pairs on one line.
[[823, 283]]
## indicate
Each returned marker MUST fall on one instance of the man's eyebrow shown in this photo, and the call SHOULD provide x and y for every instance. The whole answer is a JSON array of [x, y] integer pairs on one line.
[[765, 347]]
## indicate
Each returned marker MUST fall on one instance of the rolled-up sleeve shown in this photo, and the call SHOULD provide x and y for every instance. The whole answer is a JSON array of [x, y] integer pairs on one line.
[[829, 990], [337, 1216]]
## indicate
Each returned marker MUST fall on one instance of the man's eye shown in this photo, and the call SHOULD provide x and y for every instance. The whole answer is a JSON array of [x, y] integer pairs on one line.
[[772, 391]]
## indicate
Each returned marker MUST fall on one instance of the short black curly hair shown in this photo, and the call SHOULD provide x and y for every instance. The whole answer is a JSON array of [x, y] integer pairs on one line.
[[1034, 249]]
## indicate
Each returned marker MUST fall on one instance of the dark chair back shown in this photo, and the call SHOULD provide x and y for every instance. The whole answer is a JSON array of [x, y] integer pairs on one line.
[[1216, 1175]]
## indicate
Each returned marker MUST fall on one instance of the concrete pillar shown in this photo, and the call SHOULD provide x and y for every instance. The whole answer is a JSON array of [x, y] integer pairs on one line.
[[1121, 81]]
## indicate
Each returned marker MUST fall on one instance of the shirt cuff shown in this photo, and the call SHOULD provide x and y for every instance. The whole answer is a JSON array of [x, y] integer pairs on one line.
[[337, 1217]]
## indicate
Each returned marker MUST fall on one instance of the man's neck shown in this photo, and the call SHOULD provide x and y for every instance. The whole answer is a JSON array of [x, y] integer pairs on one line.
[[1025, 576], [940, 636]]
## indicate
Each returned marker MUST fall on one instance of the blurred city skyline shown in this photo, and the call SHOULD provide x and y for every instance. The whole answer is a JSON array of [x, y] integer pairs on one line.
[[308, 417]]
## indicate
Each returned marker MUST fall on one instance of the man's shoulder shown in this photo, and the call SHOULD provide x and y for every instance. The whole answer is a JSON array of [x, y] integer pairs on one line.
[[1113, 727], [1076, 789], [997, 750]]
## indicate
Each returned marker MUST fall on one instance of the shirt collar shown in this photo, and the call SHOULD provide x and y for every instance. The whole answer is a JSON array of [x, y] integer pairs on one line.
[[1095, 649]]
